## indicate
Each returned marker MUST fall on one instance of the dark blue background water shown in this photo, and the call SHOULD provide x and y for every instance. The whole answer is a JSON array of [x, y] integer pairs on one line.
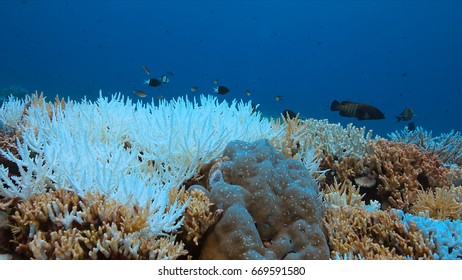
[[391, 54]]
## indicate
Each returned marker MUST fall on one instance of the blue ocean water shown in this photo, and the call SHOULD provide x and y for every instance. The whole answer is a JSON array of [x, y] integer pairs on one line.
[[390, 54]]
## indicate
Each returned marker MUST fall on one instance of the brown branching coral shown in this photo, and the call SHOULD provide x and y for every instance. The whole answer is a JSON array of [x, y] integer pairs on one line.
[[38, 100], [358, 233], [343, 170], [342, 194], [62, 225], [441, 203], [8, 140], [200, 214], [401, 170], [392, 173]]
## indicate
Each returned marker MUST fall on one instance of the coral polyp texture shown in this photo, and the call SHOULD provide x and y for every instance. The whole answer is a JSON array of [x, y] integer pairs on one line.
[[189, 179], [271, 205]]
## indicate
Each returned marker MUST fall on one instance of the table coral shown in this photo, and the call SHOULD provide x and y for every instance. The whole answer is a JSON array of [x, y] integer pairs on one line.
[[271, 207]]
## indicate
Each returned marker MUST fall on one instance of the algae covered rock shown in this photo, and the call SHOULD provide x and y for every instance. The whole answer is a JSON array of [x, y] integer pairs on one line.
[[271, 206]]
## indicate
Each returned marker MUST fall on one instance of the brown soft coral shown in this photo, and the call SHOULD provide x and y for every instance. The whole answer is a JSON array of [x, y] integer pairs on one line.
[[354, 232], [62, 225]]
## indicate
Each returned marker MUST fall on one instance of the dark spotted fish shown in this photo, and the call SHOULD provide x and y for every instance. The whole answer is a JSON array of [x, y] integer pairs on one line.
[[357, 110]]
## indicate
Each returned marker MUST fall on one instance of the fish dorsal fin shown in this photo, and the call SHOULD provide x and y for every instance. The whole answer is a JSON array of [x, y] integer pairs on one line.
[[346, 102]]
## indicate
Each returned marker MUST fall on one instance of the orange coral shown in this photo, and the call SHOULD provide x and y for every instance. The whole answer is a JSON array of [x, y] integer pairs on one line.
[[440, 204], [38, 100], [360, 234], [8, 140], [199, 215], [62, 225]]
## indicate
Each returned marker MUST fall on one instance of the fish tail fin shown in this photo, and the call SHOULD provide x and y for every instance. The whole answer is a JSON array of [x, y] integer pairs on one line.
[[146, 82], [399, 118], [334, 106]]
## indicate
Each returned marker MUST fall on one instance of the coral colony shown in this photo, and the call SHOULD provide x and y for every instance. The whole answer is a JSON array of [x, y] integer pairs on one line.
[[199, 179]]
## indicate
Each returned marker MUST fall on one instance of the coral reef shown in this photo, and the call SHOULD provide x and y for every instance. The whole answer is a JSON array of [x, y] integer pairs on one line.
[[445, 236], [403, 169], [200, 214], [16, 91], [271, 207], [392, 173], [439, 204], [62, 225], [447, 146], [167, 181], [361, 234], [322, 137]]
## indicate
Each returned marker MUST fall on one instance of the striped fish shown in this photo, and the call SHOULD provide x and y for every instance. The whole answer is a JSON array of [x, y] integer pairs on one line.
[[357, 110]]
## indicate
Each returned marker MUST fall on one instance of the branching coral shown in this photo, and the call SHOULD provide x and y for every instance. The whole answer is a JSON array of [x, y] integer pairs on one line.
[[342, 195], [200, 214], [379, 234], [62, 225], [447, 146], [323, 137], [401, 170], [439, 204], [445, 236]]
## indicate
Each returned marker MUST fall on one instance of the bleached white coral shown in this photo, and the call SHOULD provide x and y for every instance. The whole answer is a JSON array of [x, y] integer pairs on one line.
[[446, 235], [447, 146], [11, 111], [134, 153]]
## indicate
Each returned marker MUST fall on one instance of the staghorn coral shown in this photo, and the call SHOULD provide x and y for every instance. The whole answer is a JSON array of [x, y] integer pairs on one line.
[[322, 137], [401, 170], [62, 225], [271, 207], [447, 146], [341, 195], [439, 204], [342, 170], [38, 101], [445, 236], [455, 174], [362, 234], [199, 215], [8, 142]]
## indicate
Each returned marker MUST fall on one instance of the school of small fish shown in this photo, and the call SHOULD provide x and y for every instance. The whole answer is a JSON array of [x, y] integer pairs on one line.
[[349, 109]]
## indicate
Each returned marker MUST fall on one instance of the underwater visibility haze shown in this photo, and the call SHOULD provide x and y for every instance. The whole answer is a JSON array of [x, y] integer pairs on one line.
[[167, 132], [389, 54]]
